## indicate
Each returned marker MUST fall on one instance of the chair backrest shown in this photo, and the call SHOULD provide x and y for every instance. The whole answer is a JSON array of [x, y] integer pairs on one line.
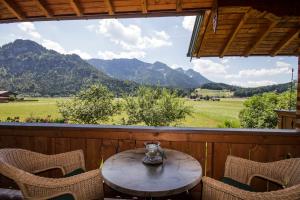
[[290, 170], [14, 162]]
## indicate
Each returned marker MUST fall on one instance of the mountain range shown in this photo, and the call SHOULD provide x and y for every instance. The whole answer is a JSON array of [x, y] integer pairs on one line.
[[150, 74], [28, 68]]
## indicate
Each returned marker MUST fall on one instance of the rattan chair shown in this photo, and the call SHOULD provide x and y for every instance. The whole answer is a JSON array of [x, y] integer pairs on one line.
[[284, 172], [22, 165]]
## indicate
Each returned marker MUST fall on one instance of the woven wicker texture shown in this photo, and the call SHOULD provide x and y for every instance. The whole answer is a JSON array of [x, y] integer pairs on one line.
[[285, 172], [21, 165]]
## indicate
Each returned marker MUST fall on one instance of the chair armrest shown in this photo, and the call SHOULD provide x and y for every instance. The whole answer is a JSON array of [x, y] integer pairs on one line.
[[213, 189], [240, 169], [67, 162], [244, 170], [87, 185]]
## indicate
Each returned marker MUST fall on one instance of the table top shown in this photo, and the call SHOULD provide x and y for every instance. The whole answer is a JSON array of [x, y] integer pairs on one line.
[[126, 173]]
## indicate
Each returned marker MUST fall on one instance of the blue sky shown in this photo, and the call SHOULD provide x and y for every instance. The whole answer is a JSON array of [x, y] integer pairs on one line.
[[149, 39]]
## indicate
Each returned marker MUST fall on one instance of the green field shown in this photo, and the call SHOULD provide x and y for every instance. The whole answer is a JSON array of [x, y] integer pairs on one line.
[[205, 113], [213, 93]]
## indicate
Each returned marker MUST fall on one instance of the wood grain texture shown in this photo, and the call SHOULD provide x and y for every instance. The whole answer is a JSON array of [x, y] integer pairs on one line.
[[42, 5], [234, 32], [37, 10], [99, 142], [76, 7], [257, 33], [13, 8], [125, 172]]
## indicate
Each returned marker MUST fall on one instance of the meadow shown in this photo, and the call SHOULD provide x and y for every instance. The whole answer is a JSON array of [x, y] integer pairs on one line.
[[213, 93], [205, 113]]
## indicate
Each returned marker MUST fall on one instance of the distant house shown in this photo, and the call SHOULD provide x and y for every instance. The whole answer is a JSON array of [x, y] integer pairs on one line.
[[5, 96]]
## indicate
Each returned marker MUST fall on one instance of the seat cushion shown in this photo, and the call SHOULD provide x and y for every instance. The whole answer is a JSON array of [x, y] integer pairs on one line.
[[63, 197], [10, 194], [75, 172], [237, 184]]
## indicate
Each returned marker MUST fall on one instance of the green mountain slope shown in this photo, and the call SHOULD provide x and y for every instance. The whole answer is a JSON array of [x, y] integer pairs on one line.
[[150, 74], [28, 68]]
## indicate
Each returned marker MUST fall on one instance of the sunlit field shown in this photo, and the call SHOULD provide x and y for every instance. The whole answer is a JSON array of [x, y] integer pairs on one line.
[[205, 113]]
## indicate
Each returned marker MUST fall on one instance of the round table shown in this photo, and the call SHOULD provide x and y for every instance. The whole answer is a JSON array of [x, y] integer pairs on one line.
[[126, 173]]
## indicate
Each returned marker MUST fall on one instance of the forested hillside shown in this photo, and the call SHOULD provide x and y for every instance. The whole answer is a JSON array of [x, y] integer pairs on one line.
[[248, 92], [156, 73], [28, 68]]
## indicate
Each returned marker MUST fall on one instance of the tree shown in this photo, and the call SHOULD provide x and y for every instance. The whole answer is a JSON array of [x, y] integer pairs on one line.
[[259, 111], [155, 107], [90, 106]]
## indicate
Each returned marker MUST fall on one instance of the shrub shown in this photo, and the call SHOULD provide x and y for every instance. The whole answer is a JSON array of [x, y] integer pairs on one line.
[[259, 109], [90, 106], [155, 107], [47, 119]]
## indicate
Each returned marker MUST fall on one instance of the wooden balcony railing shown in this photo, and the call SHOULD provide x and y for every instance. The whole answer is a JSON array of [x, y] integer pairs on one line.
[[209, 146]]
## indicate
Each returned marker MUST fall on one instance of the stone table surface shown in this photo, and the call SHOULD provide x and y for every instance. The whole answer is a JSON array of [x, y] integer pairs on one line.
[[126, 173]]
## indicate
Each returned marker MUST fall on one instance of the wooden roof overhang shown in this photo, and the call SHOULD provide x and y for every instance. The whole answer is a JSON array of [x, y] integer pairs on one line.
[[39, 10], [244, 31]]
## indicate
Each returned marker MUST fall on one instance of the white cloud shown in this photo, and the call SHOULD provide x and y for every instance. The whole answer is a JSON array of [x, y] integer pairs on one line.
[[174, 66], [29, 28], [253, 83], [224, 60], [82, 54], [49, 44], [162, 35], [283, 64], [131, 37], [107, 55], [188, 22], [281, 68], [208, 67], [91, 27]]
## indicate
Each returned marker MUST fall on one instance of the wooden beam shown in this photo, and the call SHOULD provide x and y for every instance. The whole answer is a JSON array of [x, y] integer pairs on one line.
[[144, 6], [234, 32], [41, 4], [179, 5], [285, 41], [260, 38], [13, 8], [298, 96], [110, 7], [207, 19], [76, 7]]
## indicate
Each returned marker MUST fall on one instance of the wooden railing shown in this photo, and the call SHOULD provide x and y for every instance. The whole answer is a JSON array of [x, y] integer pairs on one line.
[[209, 146]]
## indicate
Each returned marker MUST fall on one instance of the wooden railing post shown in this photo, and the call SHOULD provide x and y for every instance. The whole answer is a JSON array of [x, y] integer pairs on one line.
[[298, 96]]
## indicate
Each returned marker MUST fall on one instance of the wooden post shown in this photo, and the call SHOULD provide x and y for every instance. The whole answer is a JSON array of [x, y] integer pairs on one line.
[[298, 97]]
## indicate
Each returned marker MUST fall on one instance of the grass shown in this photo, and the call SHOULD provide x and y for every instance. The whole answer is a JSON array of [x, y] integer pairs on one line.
[[205, 113], [213, 113], [40, 108], [214, 93]]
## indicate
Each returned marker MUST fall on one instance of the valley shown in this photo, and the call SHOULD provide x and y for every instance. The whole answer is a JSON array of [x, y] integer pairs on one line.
[[205, 113]]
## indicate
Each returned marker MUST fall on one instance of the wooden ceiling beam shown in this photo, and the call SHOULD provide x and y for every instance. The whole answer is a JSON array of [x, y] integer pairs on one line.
[[76, 7], [144, 6], [13, 8], [207, 19], [285, 41], [234, 32], [110, 7], [179, 5], [41, 4], [260, 38]]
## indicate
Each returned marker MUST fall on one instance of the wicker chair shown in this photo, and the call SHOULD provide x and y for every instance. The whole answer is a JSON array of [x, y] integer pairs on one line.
[[284, 172], [21, 165]]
